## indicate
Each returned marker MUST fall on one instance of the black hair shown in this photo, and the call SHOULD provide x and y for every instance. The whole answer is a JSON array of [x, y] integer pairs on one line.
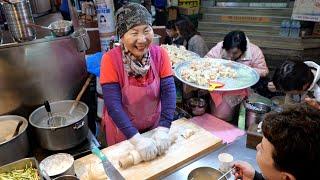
[[171, 25], [235, 39], [294, 134], [292, 76], [186, 28]]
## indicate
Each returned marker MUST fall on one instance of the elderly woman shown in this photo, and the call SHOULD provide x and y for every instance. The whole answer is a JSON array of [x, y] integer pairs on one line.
[[138, 86]]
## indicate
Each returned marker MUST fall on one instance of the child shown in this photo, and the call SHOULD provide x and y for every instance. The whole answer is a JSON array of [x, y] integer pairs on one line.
[[296, 79]]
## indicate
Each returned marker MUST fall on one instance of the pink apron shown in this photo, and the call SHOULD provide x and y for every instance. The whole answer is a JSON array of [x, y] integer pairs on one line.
[[142, 104]]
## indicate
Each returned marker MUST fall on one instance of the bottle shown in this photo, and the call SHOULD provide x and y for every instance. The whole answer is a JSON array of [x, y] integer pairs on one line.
[[284, 28], [295, 29]]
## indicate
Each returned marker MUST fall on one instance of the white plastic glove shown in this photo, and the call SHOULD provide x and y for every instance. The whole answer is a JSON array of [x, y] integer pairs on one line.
[[163, 142], [145, 146]]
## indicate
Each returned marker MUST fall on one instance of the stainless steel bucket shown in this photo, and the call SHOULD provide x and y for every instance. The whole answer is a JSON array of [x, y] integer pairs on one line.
[[17, 147], [18, 15], [66, 135], [255, 112]]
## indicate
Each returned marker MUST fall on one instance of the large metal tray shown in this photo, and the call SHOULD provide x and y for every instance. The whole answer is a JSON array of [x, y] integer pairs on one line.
[[188, 55], [21, 164], [246, 76]]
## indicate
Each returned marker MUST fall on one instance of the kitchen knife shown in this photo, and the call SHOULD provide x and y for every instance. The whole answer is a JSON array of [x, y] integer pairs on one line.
[[109, 169]]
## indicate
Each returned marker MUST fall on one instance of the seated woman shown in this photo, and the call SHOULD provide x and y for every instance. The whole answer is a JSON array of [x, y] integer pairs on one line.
[[296, 79], [290, 146], [173, 37], [237, 47], [193, 41]]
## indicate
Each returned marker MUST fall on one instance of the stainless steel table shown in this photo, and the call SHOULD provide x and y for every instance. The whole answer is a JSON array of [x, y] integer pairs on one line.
[[237, 149]]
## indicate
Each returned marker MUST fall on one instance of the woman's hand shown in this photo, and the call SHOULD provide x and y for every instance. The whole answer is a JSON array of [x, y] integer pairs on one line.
[[161, 137], [312, 102], [146, 147], [243, 171]]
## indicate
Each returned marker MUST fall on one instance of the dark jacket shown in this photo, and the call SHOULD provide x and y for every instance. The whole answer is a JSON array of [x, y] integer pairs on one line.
[[258, 176]]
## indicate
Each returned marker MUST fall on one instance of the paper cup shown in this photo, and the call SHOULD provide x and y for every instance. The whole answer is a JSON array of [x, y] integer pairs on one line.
[[225, 160]]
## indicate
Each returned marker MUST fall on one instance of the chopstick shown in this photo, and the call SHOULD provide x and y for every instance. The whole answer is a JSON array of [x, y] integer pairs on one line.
[[225, 174]]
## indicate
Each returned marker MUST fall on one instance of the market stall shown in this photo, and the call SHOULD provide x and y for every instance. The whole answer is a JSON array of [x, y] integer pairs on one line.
[[138, 129]]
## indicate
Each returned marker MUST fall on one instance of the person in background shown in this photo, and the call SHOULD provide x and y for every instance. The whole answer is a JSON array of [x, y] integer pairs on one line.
[[296, 79], [172, 34], [160, 17], [138, 85], [237, 47], [193, 41], [290, 146], [147, 4], [64, 10]]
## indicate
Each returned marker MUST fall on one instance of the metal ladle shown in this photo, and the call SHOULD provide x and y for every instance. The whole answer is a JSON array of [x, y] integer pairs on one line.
[[48, 109], [16, 132], [52, 121]]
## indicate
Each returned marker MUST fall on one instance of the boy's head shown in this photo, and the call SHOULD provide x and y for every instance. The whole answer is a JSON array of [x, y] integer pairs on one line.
[[293, 77], [290, 148], [171, 29]]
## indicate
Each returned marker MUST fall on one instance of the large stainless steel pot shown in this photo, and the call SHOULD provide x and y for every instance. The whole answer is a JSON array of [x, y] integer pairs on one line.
[[255, 112], [69, 133], [17, 147], [18, 15]]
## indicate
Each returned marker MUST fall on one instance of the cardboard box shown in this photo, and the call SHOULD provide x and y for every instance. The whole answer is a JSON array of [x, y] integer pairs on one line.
[[188, 11]]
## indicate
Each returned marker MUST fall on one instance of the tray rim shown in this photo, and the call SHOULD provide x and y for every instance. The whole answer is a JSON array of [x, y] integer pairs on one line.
[[215, 59]]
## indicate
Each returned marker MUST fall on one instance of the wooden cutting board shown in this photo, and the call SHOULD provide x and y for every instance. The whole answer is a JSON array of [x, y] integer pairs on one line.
[[180, 153]]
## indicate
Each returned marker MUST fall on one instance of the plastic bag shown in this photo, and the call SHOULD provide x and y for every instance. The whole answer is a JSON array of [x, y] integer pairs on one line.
[[93, 63]]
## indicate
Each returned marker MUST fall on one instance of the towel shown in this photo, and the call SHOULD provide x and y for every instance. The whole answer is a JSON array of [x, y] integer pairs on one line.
[[219, 128]]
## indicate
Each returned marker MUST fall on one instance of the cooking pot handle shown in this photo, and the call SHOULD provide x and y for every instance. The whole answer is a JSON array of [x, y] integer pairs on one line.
[[78, 125]]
